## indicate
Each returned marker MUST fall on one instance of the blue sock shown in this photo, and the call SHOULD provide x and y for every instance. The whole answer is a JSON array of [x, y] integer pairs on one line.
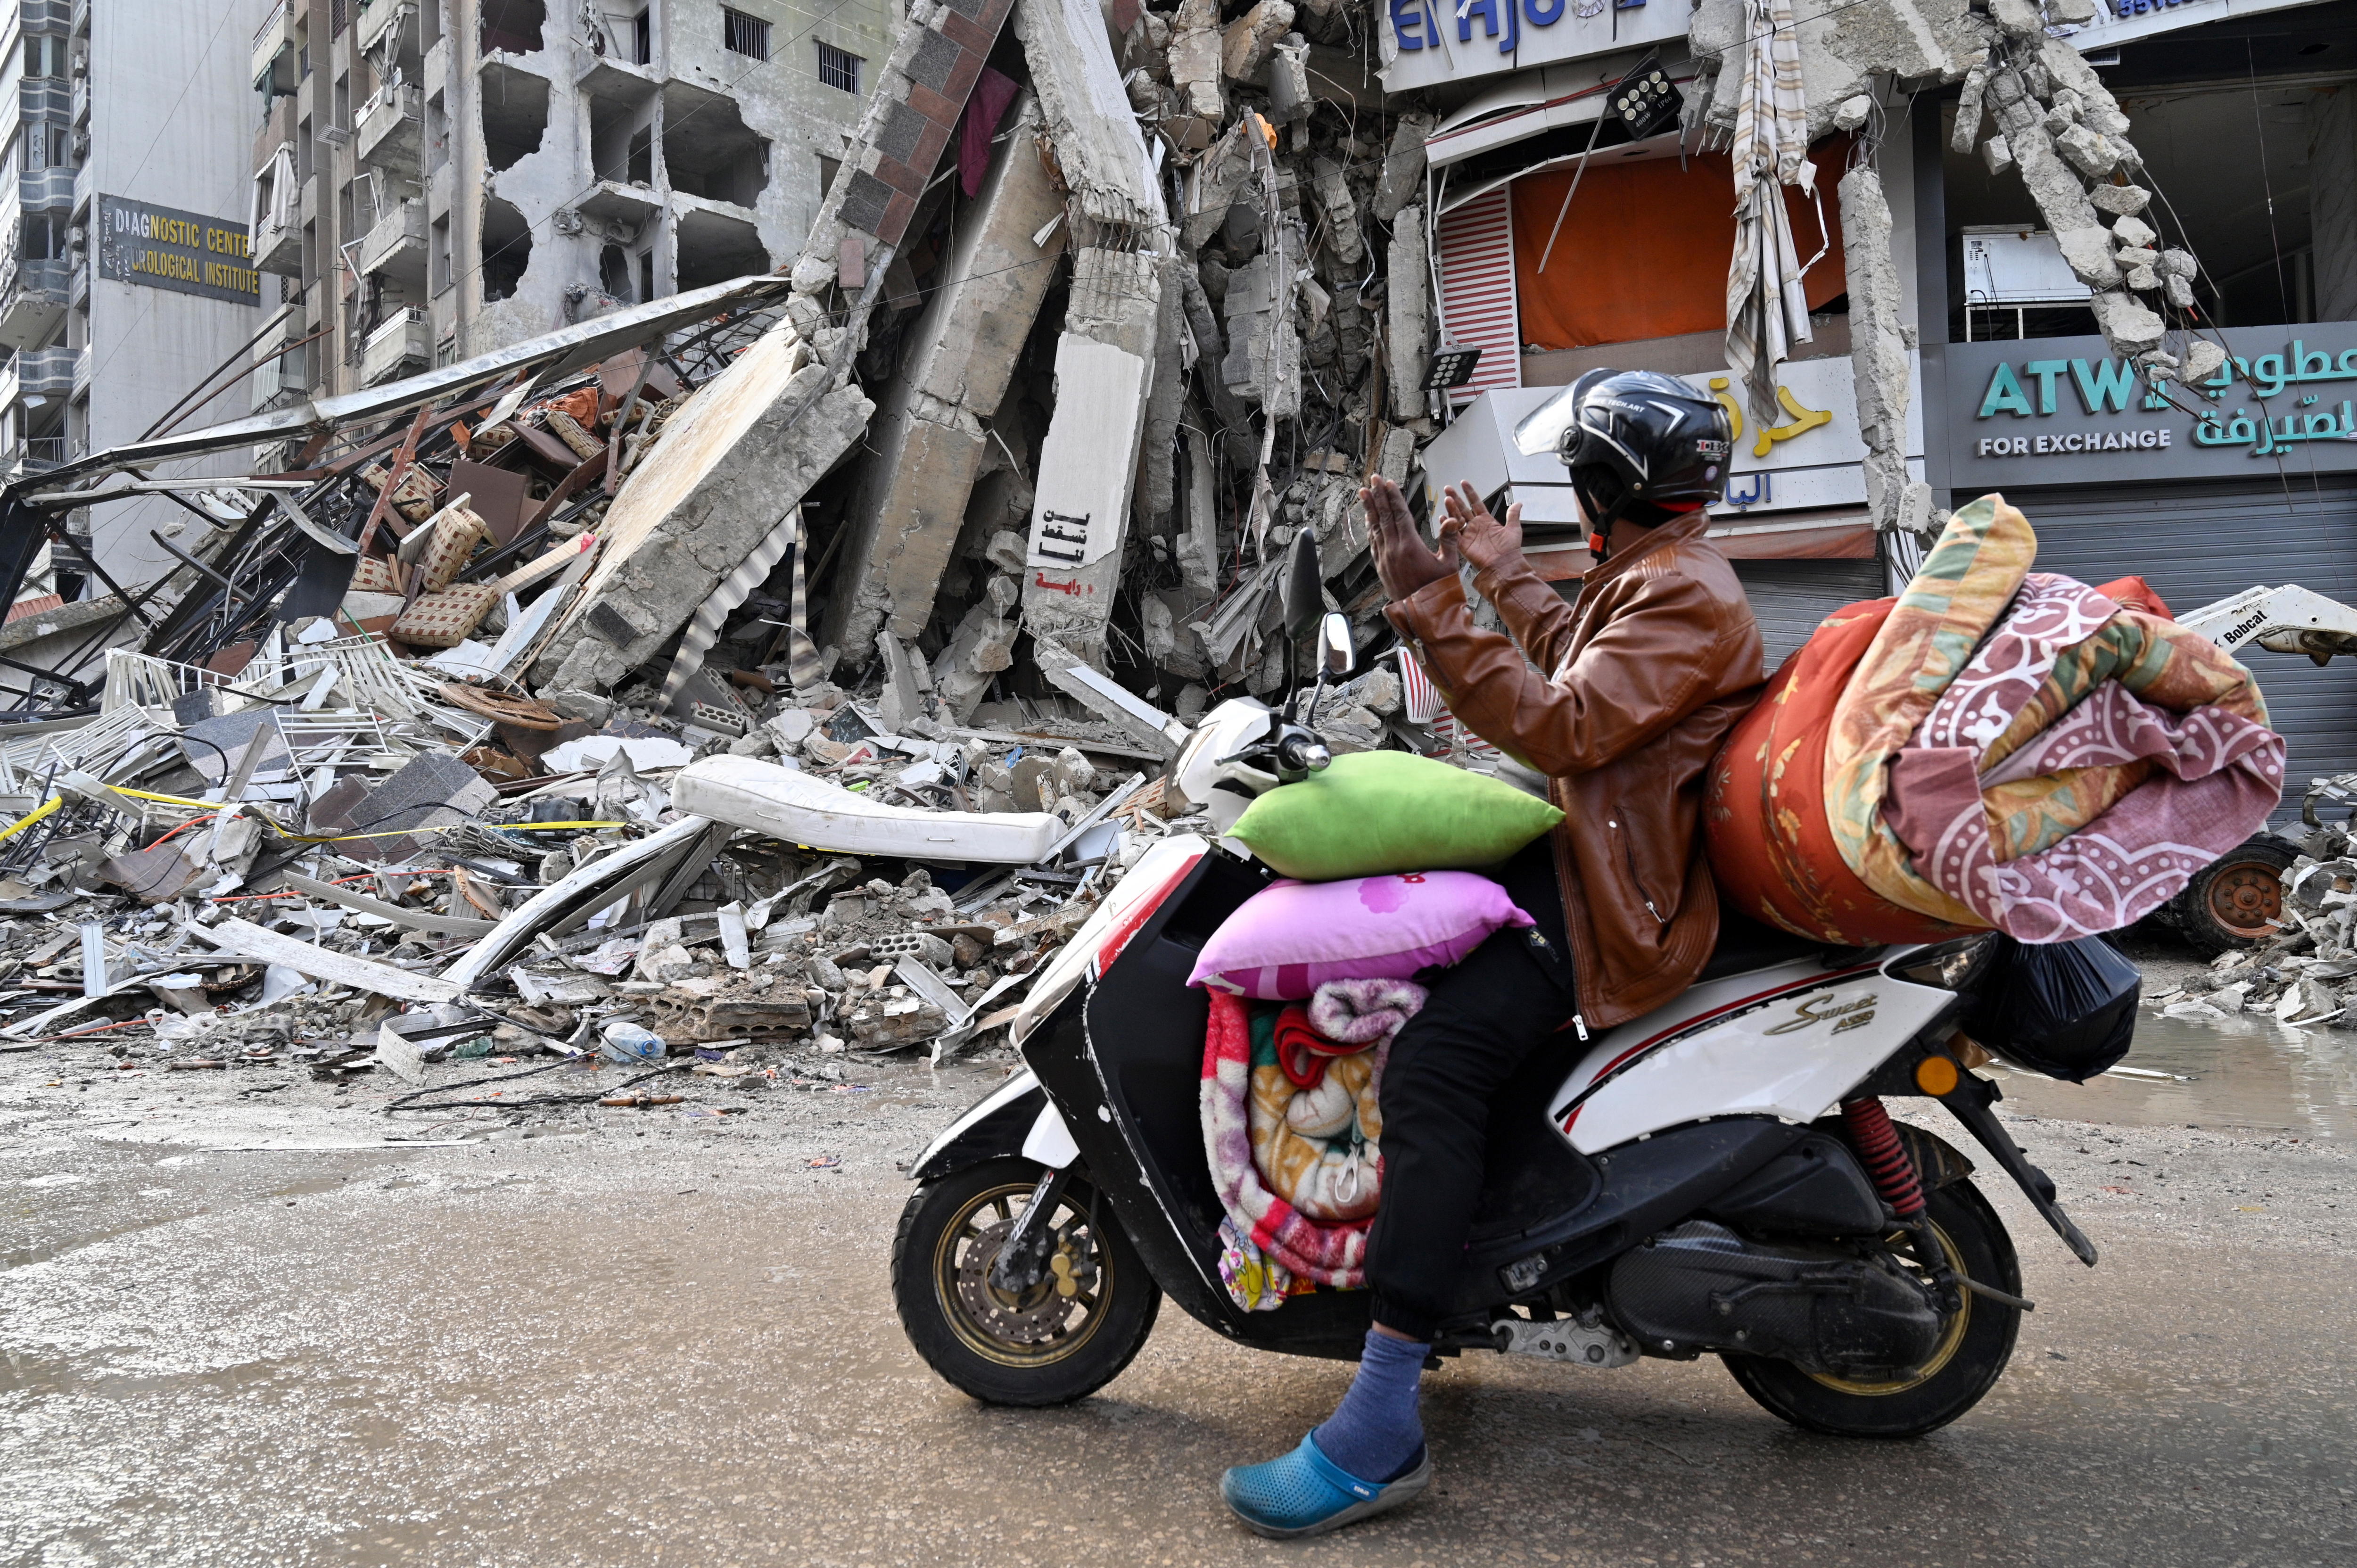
[[1376, 1433]]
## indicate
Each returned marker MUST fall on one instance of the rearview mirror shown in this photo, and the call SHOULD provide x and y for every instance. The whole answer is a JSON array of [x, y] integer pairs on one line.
[[1334, 652], [1303, 597]]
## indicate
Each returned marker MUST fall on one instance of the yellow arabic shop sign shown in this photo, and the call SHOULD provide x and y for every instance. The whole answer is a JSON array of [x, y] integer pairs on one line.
[[1804, 419]]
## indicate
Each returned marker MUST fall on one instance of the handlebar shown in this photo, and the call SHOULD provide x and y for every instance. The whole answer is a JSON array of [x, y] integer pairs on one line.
[[1299, 751]]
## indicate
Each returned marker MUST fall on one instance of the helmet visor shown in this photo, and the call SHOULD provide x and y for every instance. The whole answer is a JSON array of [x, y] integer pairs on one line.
[[1541, 432]]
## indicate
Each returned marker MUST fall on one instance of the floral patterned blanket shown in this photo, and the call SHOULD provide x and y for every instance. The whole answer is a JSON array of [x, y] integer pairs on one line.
[[2011, 750]]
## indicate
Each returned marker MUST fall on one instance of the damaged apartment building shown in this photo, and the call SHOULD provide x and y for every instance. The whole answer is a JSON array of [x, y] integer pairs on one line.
[[1105, 303], [436, 178]]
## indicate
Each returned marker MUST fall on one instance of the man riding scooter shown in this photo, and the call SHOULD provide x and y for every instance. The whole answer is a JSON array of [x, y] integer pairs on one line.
[[1621, 703]]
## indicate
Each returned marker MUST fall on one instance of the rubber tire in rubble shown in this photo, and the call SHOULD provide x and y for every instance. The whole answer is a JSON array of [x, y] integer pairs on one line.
[[2228, 904], [1964, 1370], [963, 1350]]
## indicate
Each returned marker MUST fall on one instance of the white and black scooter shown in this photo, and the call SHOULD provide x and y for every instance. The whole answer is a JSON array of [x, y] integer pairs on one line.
[[1720, 1176]]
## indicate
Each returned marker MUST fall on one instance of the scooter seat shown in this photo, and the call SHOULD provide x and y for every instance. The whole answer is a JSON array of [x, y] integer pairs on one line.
[[1746, 944]]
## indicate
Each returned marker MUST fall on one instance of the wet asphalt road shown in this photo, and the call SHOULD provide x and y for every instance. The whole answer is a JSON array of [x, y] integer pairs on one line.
[[679, 1348]]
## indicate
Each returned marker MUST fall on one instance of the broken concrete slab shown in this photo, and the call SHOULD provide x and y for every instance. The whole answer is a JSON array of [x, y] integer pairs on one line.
[[1404, 164], [1246, 43], [2127, 324], [1101, 694], [736, 459], [247, 939], [1099, 149], [930, 440], [798, 808]]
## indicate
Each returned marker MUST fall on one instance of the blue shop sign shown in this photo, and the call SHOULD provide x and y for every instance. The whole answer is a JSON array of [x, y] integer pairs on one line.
[[2062, 411]]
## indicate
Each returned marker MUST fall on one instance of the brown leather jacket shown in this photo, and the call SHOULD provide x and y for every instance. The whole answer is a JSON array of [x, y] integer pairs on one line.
[[1643, 680]]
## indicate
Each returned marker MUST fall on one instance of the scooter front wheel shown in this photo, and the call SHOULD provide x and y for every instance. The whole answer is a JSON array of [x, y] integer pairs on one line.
[[1064, 1338]]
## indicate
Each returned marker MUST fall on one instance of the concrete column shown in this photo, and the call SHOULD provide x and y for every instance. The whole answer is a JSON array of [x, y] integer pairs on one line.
[[464, 104], [1105, 371], [929, 440], [1878, 351]]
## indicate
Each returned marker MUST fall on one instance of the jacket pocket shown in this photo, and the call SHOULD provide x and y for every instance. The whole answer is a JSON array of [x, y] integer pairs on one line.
[[1629, 862]]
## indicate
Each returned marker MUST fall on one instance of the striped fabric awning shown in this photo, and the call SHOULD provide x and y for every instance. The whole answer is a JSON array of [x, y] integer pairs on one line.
[[1766, 308], [1478, 303]]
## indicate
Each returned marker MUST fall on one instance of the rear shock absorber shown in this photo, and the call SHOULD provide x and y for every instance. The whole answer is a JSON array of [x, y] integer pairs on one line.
[[1886, 1158]]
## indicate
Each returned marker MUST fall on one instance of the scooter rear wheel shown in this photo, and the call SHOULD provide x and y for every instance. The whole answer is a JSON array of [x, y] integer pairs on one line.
[[1969, 1357], [1063, 1339]]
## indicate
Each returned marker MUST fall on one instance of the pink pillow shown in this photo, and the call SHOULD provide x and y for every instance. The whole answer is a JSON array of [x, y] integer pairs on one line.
[[1290, 938]]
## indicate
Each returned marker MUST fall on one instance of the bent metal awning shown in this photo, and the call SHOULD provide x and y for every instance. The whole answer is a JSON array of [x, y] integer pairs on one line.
[[551, 355]]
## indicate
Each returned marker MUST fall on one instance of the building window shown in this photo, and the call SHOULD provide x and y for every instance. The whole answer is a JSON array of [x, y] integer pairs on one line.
[[339, 13], [837, 67], [45, 57], [744, 35]]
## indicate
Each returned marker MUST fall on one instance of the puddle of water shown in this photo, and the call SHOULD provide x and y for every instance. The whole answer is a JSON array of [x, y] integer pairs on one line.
[[2241, 1072]]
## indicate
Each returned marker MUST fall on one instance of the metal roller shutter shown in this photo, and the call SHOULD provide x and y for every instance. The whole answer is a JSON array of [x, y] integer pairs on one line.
[[2199, 543], [1790, 597]]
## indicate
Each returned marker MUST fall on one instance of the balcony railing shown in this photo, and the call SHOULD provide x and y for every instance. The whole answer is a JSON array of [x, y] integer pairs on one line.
[[395, 246], [404, 339], [378, 17], [45, 98], [391, 128], [272, 38], [34, 297], [48, 373], [38, 453], [39, 190], [278, 247]]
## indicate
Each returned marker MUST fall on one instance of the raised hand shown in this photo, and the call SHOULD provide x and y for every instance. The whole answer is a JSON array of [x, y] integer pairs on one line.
[[1402, 561], [1480, 537]]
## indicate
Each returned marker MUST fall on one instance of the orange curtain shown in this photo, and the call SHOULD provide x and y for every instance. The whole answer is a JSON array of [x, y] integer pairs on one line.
[[1643, 251]]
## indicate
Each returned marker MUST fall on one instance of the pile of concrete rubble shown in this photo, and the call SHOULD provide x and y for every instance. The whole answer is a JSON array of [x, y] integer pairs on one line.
[[937, 544], [2306, 975], [323, 860]]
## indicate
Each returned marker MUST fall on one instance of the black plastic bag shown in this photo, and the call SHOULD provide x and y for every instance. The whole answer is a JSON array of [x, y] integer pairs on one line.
[[2065, 1009]]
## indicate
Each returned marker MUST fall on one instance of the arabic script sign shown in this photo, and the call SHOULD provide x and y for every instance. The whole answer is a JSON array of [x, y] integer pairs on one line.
[[187, 252], [2062, 411]]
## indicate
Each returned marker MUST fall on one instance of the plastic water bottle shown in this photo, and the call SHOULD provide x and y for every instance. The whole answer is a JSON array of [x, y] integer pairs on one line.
[[633, 1045]]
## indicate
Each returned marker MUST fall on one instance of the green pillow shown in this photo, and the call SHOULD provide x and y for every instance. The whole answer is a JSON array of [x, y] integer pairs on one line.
[[1375, 812]]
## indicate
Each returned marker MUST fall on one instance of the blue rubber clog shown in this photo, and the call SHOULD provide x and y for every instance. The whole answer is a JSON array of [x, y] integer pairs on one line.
[[1305, 1493]]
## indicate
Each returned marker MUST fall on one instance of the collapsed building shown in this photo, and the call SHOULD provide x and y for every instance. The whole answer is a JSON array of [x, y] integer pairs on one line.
[[974, 503]]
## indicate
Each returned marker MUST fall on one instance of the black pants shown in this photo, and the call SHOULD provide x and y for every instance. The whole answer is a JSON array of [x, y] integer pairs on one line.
[[1485, 1018]]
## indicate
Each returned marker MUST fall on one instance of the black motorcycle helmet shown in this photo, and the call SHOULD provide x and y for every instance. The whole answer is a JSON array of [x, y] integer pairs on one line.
[[1638, 444]]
